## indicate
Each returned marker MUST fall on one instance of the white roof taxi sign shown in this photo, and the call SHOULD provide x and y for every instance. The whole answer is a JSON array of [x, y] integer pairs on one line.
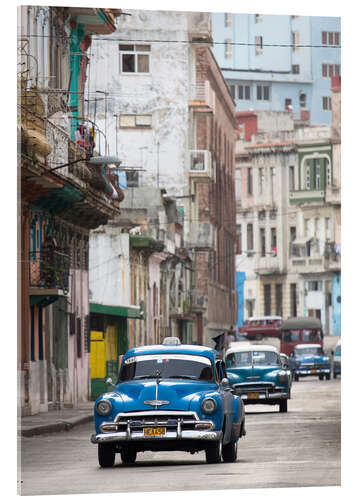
[[162, 358]]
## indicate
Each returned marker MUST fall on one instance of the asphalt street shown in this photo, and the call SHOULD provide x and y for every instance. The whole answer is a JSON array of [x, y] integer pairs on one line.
[[299, 448]]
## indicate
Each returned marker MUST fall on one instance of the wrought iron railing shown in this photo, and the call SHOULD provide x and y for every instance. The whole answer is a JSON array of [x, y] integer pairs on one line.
[[49, 268]]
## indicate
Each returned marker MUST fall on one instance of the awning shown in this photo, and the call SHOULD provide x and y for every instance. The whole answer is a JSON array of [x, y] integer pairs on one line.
[[301, 241], [127, 311]]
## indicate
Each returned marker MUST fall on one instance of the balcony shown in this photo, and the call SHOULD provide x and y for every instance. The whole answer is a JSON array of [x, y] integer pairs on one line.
[[307, 196], [49, 275], [306, 265], [202, 97], [268, 265]]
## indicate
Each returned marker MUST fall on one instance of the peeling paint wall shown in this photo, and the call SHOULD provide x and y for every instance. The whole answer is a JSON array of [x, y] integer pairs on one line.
[[163, 93]]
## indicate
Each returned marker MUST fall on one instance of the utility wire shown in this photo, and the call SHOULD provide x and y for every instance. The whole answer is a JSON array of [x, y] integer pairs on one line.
[[200, 42]]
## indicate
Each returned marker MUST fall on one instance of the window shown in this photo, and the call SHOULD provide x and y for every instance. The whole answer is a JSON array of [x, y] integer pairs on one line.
[[302, 100], [292, 178], [243, 92], [261, 180], [232, 89], [227, 19], [263, 92], [328, 171], [262, 242], [296, 39], [132, 178], [272, 180], [317, 170], [249, 181], [239, 239], [307, 176], [267, 300], [279, 299], [296, 69], [228, 49], [326, 103], [135, 121], [330, 38], [273, 240], [250, 240], [258, 45], [134, 58], [293, 300], [329, 70], [314, 286], [327, 228]]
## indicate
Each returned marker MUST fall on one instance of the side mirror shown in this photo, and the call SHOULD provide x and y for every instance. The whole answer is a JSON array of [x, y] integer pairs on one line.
[[225, 384], [109, 381]]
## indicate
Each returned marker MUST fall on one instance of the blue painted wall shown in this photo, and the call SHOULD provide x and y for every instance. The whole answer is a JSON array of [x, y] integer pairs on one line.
[[274, 65], [336, 304], [240, 279]]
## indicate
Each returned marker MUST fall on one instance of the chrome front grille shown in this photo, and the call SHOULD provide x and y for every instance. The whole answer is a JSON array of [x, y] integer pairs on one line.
[[254, 387], [170, 420]]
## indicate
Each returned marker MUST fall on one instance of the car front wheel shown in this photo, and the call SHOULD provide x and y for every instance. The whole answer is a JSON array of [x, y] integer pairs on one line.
[[328, 376], [229, 451], [128, 456], [214, 452], [106, 455], [283, 406]]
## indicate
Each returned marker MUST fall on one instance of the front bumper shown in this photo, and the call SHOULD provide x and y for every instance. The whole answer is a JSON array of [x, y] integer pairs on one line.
[[261, 394], [169, 436], [301, 371], [178, 426]]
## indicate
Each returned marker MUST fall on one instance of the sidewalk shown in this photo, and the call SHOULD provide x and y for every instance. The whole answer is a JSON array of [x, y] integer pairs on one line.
[[55, 420]]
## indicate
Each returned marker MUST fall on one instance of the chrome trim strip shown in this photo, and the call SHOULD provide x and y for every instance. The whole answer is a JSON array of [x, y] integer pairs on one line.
[[172, 435], [154, 413]]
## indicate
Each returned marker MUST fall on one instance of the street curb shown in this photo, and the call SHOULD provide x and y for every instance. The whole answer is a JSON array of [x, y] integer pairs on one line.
[[64, 425]]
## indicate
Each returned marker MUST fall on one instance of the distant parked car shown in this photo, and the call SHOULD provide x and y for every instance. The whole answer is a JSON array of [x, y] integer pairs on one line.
[[169, 397], [337, 360], [310, 360], [256, 328], [257, 375]]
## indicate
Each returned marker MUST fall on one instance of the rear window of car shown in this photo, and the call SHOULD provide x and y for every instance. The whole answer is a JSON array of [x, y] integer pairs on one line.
[[302, 351], [183, 366]]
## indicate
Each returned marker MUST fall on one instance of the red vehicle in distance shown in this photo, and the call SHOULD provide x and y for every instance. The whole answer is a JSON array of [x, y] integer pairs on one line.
[[300, 330], [259, 327]]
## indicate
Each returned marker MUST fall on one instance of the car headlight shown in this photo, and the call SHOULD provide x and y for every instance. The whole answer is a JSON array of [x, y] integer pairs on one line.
[[282, 378], [104, 407], [209, 405]]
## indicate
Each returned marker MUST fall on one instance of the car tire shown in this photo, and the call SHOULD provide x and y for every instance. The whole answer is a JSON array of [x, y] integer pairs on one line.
[[328, 376], [214, 452], [296, 377], [106, 455], [128, 456], [229, 451], [321, 377], [259, 336], [283, 406], [335, 375]]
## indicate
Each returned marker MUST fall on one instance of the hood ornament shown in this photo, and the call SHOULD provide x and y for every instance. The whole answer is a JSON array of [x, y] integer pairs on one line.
[[156, 402]]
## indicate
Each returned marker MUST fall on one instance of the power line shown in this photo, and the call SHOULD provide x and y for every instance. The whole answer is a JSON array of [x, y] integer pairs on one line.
[[199, 42]]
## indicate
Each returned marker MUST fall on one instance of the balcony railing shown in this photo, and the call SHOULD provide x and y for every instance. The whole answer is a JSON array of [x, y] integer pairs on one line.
[[49, 269]]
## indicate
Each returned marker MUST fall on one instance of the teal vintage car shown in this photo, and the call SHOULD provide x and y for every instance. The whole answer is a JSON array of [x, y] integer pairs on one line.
[[257, 374], [169, 397]]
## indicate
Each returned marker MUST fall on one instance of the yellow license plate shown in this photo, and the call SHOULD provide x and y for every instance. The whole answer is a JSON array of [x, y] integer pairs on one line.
[[313, 371], [154, 431], [253, 395]]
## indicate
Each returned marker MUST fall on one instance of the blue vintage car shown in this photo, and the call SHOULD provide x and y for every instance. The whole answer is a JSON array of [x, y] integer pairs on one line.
[[309, 360], [169, 397], [258, 375]]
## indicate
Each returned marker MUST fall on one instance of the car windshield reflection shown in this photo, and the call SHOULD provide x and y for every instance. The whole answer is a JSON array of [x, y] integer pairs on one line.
[[252, 358], [166, 366]]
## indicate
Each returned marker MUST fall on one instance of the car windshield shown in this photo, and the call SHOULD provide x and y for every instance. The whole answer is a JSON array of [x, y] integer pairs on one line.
[[303, 351], [251, 357], [166, 366]]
